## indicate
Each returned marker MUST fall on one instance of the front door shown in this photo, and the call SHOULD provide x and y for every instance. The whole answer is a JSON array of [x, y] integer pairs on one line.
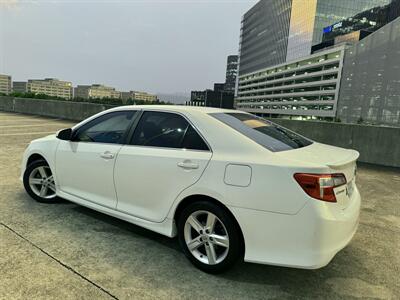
[[85, 165]]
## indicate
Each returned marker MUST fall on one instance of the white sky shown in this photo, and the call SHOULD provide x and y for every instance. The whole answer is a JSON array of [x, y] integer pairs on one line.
[[157, 46]]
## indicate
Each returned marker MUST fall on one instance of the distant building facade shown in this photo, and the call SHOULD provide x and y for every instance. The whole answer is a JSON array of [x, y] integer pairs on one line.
[[5, 84], [51, 87], [278, 31], [136, 95], [231, 73], [20, 86], [219, 87], [96, 91], [211, 98]]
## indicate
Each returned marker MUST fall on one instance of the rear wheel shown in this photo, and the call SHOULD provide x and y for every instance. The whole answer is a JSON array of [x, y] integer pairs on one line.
[[209, 237], [39, 182]]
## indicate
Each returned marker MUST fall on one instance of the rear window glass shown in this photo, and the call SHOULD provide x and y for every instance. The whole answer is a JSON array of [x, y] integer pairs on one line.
[[267, 134]]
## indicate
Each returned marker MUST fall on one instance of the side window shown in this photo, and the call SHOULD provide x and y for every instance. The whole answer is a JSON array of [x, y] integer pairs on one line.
[[167, 130], [108, 128], [193, 140]]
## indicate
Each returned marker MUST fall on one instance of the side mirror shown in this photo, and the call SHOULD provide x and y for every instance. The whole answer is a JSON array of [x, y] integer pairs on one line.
[[65, 134]]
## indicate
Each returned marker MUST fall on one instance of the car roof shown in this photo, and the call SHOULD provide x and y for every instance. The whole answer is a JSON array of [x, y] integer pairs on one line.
[[179, 108]]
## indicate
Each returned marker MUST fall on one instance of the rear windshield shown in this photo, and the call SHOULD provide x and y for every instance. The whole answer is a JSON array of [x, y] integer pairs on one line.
[[267, 134]]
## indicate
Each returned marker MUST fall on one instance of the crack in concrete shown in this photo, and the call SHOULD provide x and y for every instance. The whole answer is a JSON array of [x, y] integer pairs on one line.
[[59, 261]]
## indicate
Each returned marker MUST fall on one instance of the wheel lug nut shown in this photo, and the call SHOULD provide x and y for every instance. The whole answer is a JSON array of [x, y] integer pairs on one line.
[[201, 231]]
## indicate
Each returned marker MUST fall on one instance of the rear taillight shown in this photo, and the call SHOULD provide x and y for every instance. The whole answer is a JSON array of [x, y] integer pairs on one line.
[[320, 186]]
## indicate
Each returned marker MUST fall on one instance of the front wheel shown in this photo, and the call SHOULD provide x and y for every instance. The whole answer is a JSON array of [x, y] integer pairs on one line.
[[209, 237], [39, 182]]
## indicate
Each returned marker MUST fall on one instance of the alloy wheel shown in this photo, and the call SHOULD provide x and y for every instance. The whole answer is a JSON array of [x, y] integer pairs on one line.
[[41, 182], [206, 237]]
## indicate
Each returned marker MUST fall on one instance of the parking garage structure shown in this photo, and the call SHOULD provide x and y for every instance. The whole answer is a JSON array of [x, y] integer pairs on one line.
[[303, 87]]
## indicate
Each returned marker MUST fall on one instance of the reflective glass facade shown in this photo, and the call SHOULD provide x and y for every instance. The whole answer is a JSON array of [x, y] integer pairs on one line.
[[264, 35], [370, 87], [333, 11], [366, 22], [301, 28], [277, 31]]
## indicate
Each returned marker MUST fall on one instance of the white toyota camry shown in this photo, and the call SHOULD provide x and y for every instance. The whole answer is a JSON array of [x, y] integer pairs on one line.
[[229, 184]]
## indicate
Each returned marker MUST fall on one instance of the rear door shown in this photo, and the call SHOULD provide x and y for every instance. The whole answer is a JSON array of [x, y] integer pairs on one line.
[[165, 155]]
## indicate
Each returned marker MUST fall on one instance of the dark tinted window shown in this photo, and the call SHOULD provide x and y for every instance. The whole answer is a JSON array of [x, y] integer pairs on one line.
[[108, 128], [192, 140], [168, 130], [263, 132]]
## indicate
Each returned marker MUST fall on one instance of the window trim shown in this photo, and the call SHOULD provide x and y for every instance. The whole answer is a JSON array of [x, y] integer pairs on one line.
[[142, 111], [124, 138]]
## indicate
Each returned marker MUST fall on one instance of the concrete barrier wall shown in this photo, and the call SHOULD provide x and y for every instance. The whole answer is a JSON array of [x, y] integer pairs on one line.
[[75, 111], [376, 144]]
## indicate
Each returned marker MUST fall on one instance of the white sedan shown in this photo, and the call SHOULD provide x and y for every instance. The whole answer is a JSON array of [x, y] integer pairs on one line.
[[229, 184]]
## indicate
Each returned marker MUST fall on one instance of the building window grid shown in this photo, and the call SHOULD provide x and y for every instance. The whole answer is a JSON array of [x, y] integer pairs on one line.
[[253, 88], [270, 74]]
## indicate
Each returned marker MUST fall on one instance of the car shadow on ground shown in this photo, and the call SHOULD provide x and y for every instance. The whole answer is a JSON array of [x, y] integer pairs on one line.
[[298, 283], [289, 279]]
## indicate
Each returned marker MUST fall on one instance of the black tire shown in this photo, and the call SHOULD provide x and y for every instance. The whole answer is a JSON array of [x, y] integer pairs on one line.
[[235, 249], [31, 168]]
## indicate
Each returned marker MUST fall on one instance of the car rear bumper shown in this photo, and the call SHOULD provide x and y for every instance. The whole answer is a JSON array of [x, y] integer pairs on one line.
[[309, 239]]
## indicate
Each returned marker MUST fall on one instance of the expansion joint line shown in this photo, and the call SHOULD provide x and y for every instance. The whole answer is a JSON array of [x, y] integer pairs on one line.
[[58, 261]]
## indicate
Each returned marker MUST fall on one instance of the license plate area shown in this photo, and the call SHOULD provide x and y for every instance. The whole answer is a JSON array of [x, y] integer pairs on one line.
[[350, 188]]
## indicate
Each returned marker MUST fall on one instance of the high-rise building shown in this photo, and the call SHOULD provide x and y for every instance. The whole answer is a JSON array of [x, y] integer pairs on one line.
[[51, 87], [357, 79], [20, 86], [5, 84], [231, 73], [278, 31], [264, 35], [96, 91]]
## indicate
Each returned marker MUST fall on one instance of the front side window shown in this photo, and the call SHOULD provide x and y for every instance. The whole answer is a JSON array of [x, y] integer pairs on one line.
[[109, 128], [167, 130], [263, 132]]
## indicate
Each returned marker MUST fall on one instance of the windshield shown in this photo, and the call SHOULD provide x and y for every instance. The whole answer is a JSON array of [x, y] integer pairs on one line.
[[267, 134]]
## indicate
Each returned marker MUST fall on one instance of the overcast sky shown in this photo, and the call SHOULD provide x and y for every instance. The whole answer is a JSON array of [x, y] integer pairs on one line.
[[156, 46]]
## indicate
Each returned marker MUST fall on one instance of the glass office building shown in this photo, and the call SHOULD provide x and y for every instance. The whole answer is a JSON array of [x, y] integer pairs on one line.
[[332, 11], [278, 31], [370, 86], [264, 35]]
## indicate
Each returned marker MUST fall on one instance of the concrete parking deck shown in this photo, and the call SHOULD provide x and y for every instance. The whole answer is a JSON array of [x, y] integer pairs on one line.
[[67, 251]]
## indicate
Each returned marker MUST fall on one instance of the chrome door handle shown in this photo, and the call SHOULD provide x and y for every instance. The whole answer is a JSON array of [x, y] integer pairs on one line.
[[107, 155], [188, 165]]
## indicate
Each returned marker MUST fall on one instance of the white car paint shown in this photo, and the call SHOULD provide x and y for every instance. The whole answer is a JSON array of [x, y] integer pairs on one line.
[[281, 224]]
